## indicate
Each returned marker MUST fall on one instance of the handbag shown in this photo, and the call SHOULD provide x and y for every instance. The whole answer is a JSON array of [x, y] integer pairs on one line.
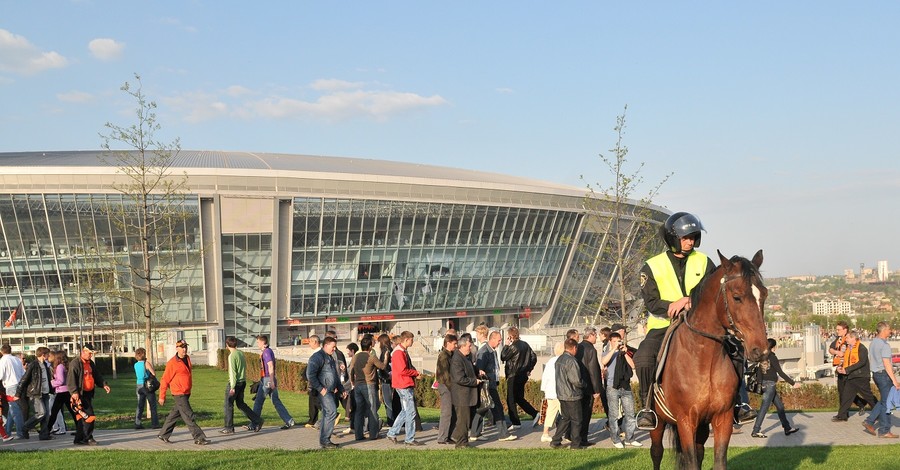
[[753, 383], [543, 414], [151, 383], [254, 388], [484, 396]]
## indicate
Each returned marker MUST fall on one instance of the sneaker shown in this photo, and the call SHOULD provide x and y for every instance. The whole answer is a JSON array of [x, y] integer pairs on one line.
[[618, 445], [61, 432], [393, 439], [202, 441], [746, 416], [330, 445], [758, 435], [477, 438], [546, 438], [226, 431], [287, 426], [164, 439], [635, 444], [513, 427], [512, 437], [249, 427], [8, 438]]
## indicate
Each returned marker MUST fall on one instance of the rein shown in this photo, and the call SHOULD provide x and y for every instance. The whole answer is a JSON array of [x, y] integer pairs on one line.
[[732, 329]]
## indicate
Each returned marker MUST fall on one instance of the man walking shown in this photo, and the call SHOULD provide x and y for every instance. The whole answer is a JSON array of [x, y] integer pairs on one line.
[[444, 381], [519, 360], [83, 378], [486, 361], [268, 383], [34, 388], [837, 349], [463, 389], [364, 369], [11, 372], [178, 376], [856, 375], [324, 380], [883, 374], [234, 392], [620, 367], [403, 380], [587, 354], [570, 385], [312, 395]]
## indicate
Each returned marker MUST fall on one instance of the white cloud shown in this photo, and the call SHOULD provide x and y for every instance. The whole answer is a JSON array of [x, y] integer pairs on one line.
[[18, 55], [75, 97], [106, 49], [177, 24], [505, 91], [333, 103]]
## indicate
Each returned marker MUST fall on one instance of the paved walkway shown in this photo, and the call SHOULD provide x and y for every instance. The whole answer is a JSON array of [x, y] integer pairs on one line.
[[815, 429]]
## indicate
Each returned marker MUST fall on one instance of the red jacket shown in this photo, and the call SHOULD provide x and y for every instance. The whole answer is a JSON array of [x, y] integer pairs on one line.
[[403, 374], [178, 375]]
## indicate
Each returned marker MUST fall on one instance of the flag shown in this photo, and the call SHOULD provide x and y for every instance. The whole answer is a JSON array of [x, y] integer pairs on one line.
[[15, 314]]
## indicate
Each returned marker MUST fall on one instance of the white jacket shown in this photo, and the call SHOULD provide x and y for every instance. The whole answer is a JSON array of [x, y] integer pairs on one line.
[[548, 379]]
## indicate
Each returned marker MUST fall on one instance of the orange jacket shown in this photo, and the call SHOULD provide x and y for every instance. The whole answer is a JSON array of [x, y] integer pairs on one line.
[[177, 375], [839, 344]]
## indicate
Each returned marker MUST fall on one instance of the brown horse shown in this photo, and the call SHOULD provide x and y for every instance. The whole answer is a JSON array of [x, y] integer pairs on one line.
[[699, 381]]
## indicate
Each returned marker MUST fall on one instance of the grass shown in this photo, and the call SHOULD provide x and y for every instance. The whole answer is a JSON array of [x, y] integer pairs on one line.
[[782, 458], [116, 410]]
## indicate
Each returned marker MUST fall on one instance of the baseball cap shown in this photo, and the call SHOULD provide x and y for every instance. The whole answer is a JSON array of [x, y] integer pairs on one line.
[[181, 344]]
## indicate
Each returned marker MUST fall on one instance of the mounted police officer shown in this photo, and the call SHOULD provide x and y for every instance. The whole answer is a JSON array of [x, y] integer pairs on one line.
[[667, 280]]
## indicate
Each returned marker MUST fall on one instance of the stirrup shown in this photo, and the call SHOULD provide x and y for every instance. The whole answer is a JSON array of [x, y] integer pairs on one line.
[[649, 415]]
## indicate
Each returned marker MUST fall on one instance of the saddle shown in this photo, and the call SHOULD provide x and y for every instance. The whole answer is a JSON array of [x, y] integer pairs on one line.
[[656, 390]]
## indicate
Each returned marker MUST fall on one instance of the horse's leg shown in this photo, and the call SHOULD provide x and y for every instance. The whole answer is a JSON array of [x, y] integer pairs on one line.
[[722, 425], [687, 433], [656, 443], [699, 443]]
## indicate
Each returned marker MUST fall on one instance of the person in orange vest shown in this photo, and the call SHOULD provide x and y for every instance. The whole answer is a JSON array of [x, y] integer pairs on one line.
[[836, 349], [855, 368]]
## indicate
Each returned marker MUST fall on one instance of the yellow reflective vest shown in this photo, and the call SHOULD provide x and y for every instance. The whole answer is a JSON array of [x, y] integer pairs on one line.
[[667, 281]]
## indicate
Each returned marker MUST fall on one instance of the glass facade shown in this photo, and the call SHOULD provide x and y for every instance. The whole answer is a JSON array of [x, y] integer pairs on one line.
[[247, 284], [357, 257], [68, 259]]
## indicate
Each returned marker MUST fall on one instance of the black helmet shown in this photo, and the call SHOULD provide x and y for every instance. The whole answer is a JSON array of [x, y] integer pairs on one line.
[[678, 225]]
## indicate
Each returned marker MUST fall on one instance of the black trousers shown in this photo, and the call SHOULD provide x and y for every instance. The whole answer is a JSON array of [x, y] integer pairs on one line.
[[314, 407], [61, 401], [85, 431], [569, 423], [853, 389], [463, 421], [183, 410], [515, 395], [859, 402], [587, 406], [645, 361], [237, 399]]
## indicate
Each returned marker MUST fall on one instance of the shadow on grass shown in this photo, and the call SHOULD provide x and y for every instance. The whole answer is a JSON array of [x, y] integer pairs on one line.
[[782, 458]]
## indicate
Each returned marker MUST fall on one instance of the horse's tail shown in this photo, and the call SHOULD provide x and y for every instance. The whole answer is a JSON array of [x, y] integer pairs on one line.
[[675, 442]]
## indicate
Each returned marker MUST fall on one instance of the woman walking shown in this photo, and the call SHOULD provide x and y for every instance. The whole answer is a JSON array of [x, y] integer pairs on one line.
[[62, 398], [143, 370]]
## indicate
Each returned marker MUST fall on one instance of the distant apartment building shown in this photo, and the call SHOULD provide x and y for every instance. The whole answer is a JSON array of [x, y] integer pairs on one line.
[[831, 307], [882, 271], [849, 274]]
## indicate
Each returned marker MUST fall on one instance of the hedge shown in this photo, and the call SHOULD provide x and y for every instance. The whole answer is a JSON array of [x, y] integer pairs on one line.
[[292, 376]]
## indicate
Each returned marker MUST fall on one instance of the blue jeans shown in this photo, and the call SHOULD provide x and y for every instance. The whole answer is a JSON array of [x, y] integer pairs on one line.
[[613, 395], [387, 397], [263, 392], [143, 399], [770, 396], [365, 399], [15, 414], [879, 413], [329, 415], [407, 415]]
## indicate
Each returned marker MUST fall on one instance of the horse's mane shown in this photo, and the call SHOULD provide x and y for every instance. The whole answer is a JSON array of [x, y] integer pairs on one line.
[[748, 270]]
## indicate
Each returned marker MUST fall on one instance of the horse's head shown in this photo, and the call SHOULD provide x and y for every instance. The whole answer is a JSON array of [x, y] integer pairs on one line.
[[744, 295]]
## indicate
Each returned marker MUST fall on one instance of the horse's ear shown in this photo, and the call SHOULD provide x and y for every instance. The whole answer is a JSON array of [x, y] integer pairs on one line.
[[757, 259], [723, 261]]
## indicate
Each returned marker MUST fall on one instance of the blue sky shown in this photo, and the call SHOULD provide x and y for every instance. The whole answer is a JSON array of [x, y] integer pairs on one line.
[[778, 119]]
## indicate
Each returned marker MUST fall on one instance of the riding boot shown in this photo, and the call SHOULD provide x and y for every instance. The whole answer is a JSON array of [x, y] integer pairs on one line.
[[646, 420]]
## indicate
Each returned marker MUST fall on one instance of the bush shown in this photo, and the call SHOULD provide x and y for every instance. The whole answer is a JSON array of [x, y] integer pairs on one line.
[[291, 375]]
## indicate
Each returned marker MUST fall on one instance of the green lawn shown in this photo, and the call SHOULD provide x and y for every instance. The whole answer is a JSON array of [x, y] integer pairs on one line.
[[116, 410], [781, 458]]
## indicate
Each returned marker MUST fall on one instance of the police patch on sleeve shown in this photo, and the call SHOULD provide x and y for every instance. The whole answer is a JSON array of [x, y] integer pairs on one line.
[[643, 279]]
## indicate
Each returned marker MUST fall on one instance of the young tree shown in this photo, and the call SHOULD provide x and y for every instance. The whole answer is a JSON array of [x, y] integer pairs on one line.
[[151, 211], [626, 229]]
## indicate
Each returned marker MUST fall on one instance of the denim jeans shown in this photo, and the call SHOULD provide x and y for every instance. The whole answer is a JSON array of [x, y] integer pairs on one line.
[[880, 413], [407, 415], [15, 414], [40, 410], [387, 397], [263, 392], [365, 397], [613, 396], [329, 415], [770, 396], [143, 399]]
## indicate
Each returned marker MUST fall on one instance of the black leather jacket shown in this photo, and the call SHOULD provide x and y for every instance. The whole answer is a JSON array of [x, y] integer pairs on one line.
[[518, 358]]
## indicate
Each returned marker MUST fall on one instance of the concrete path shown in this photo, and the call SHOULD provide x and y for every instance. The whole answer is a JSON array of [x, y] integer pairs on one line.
[[815, 429]]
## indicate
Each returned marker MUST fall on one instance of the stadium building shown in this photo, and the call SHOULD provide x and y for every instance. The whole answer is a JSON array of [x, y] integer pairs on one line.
[[286, 244]]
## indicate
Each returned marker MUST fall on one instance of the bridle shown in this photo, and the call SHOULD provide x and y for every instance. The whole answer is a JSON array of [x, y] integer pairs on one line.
[[732, 329]]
